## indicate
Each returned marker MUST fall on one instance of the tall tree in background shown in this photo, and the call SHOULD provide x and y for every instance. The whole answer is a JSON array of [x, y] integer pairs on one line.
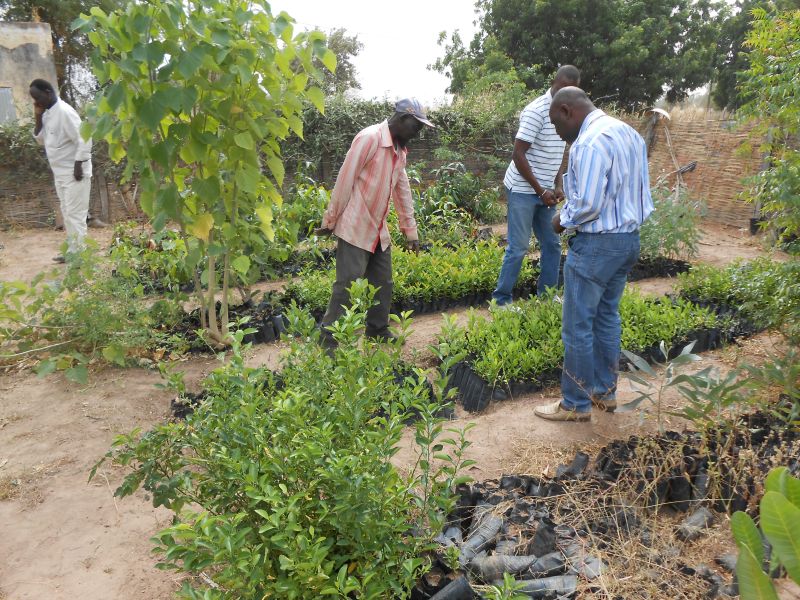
[[71, 49], [345, 47], [629, 51], [733, 57]]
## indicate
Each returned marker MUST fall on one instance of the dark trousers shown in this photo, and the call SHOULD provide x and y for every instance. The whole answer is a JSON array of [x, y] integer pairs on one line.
[[376, 267]]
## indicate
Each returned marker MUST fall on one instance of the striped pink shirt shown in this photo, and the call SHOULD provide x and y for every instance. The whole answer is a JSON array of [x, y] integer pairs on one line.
[[372, 172]]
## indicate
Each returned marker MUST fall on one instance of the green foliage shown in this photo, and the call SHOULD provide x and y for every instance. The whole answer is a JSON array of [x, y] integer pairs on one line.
[[508, 590], [20, 155], [653, 389], [524, 343], [287, 490], [766, 291], [88, 316], [456, 185], [770, 84], [627, 51], [673, 228], [712, 397], [197, 96], [157, 260], [780, 525], [441, 272]]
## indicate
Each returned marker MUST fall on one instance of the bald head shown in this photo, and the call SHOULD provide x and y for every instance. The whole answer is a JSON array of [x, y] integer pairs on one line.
[[565, 76], [570, 106]]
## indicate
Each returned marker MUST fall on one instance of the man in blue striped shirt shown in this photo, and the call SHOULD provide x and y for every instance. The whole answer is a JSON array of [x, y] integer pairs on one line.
[[533, 187], [607, 198]]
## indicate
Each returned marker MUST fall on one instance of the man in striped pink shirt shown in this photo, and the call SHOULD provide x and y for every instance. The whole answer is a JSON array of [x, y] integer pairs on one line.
[[373, 172]]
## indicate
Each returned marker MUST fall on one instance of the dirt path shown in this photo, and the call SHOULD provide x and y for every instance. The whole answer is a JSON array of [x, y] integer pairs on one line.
[[64, 538]]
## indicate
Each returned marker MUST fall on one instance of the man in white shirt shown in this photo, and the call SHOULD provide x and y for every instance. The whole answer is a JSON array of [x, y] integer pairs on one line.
[[58, 130], [533, 188]]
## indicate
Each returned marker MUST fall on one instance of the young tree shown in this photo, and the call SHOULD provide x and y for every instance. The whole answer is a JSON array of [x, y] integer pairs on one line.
[[774, 105], [71, 49], [732, 56], [197, 95]]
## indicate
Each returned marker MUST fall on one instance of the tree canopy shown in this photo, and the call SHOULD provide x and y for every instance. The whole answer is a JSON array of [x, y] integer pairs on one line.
[[629, 51], [345, 47]]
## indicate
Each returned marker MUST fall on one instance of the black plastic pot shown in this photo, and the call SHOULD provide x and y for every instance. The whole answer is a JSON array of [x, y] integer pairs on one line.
[[550, 587], [458, 589]]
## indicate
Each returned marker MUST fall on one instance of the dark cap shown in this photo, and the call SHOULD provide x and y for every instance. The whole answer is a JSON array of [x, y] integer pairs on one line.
[[412, 106]]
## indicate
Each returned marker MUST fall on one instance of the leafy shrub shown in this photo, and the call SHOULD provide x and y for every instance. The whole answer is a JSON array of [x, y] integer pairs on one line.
[[154, 259], [20, 155], [764, 290], [85, 316], [780, 525], [455, 184], [288, 491], [673, 229], [525, 342]]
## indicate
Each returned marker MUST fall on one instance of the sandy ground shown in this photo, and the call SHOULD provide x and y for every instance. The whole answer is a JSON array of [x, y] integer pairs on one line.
[[64, 538]]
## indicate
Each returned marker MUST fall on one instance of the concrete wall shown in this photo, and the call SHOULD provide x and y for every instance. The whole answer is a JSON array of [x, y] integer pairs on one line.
[[26, 53]]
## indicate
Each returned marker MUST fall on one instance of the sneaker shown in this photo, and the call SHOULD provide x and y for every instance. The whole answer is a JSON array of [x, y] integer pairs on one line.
[[606, 404], [558, 299], [555, 412], [59, 259]]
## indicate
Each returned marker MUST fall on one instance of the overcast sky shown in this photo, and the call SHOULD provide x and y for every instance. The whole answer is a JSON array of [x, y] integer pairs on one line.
[[399, 40]]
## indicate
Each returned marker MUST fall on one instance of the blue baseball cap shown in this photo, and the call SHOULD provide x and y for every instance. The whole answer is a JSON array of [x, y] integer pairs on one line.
[[412, 106]]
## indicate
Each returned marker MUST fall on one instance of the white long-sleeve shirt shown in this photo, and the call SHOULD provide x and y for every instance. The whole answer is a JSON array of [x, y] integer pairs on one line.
[[61, 137]]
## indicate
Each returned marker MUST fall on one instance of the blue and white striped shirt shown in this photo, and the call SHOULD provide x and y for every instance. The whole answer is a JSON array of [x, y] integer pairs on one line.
[[607, 185]]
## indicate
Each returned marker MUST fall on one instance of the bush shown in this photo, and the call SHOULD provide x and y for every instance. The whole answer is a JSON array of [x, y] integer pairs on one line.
[[287, 491], [525, 343], [454, 184], [673, 229], [765, 291], [88, 315]]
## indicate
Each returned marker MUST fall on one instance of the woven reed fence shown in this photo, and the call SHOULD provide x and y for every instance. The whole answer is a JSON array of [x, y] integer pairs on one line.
[[716, 146], [34, 203]]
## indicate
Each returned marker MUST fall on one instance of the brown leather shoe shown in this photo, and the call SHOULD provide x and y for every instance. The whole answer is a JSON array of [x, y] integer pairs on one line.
[[606, 404], [555, 412]]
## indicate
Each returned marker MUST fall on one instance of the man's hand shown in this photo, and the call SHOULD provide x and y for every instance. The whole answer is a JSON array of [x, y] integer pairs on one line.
[[77, 171], [557, 227], [38, 109], [323, 231], [413, 245], [559, 192], [549, 198]]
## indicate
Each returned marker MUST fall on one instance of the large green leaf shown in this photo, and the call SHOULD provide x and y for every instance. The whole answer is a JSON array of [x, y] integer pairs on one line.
[[189, 62], [746, 534], [317, 98], [754, 584], [780, 521]]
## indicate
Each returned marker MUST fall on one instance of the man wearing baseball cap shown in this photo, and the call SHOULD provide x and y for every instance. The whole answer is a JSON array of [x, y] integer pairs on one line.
[[373, 172]]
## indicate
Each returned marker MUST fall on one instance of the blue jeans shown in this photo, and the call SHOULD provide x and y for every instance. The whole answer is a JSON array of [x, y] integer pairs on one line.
[[527, 212], [595, 273]]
